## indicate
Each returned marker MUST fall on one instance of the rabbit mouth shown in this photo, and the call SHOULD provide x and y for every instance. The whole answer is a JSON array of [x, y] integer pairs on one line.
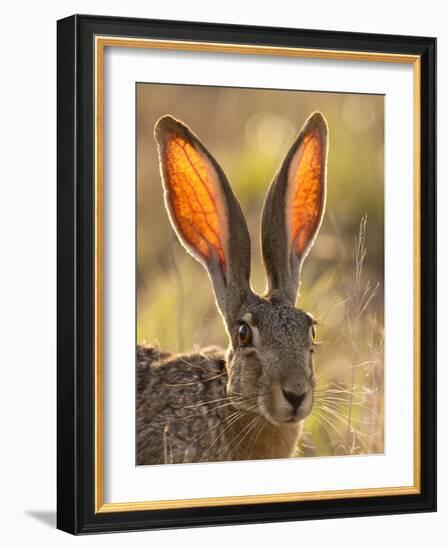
[[282, 417], [274, 419]]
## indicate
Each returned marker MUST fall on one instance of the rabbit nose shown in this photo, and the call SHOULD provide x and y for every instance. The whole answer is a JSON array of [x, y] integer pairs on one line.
[[294, 399]]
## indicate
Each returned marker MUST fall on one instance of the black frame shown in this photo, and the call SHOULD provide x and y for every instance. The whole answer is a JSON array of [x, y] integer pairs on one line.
[[75, 295]]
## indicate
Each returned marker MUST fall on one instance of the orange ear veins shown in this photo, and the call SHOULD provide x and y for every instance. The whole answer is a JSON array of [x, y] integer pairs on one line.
[[194, 198], [305, 198]]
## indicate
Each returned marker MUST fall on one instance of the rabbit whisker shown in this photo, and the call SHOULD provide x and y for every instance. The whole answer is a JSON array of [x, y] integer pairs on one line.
[[241, 435], [342, 418], [323, 416], [201, 403], [234, 418], [359, 435], [203, 435], [256, 432], [338, 401], [202, 380], [202, 413]]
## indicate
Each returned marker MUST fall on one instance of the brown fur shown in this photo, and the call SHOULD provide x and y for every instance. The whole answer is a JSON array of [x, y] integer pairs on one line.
[[183, 414]]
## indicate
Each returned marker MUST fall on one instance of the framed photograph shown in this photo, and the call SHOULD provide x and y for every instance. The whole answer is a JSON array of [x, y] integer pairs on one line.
[[246, 274]]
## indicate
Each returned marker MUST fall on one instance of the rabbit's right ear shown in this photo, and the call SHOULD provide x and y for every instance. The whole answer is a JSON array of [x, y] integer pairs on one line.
[[205, 213]]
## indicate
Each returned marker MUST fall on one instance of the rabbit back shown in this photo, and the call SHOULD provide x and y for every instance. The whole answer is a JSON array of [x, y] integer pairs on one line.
[[181, 406]]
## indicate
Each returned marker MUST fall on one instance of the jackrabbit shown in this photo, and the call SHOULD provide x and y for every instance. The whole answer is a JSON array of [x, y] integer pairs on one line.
[[248, 402]]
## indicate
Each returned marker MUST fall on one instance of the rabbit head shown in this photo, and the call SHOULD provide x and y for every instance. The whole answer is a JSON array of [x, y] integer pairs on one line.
[[269, 358]]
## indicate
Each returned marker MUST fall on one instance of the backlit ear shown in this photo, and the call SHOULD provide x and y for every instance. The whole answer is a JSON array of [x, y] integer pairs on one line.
[[204, 212], [294, 209]]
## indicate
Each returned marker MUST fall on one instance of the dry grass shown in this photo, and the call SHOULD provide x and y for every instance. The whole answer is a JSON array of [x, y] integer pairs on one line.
[[347, 415]]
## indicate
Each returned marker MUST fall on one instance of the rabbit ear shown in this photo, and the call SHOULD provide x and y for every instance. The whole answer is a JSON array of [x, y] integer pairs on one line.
[[204, 212], [294, 208]]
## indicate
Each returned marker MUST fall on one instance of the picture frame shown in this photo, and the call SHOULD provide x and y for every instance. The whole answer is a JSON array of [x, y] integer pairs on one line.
[[82, 41]]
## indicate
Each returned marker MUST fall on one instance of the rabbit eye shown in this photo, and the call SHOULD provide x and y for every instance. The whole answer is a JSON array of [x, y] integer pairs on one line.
[[313, 337], [245, 335]]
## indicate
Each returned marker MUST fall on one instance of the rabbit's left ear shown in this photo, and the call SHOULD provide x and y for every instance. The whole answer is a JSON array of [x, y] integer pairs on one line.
[[294, 209]]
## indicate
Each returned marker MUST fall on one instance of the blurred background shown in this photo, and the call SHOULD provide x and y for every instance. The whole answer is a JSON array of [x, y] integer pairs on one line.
[[249, 131]]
